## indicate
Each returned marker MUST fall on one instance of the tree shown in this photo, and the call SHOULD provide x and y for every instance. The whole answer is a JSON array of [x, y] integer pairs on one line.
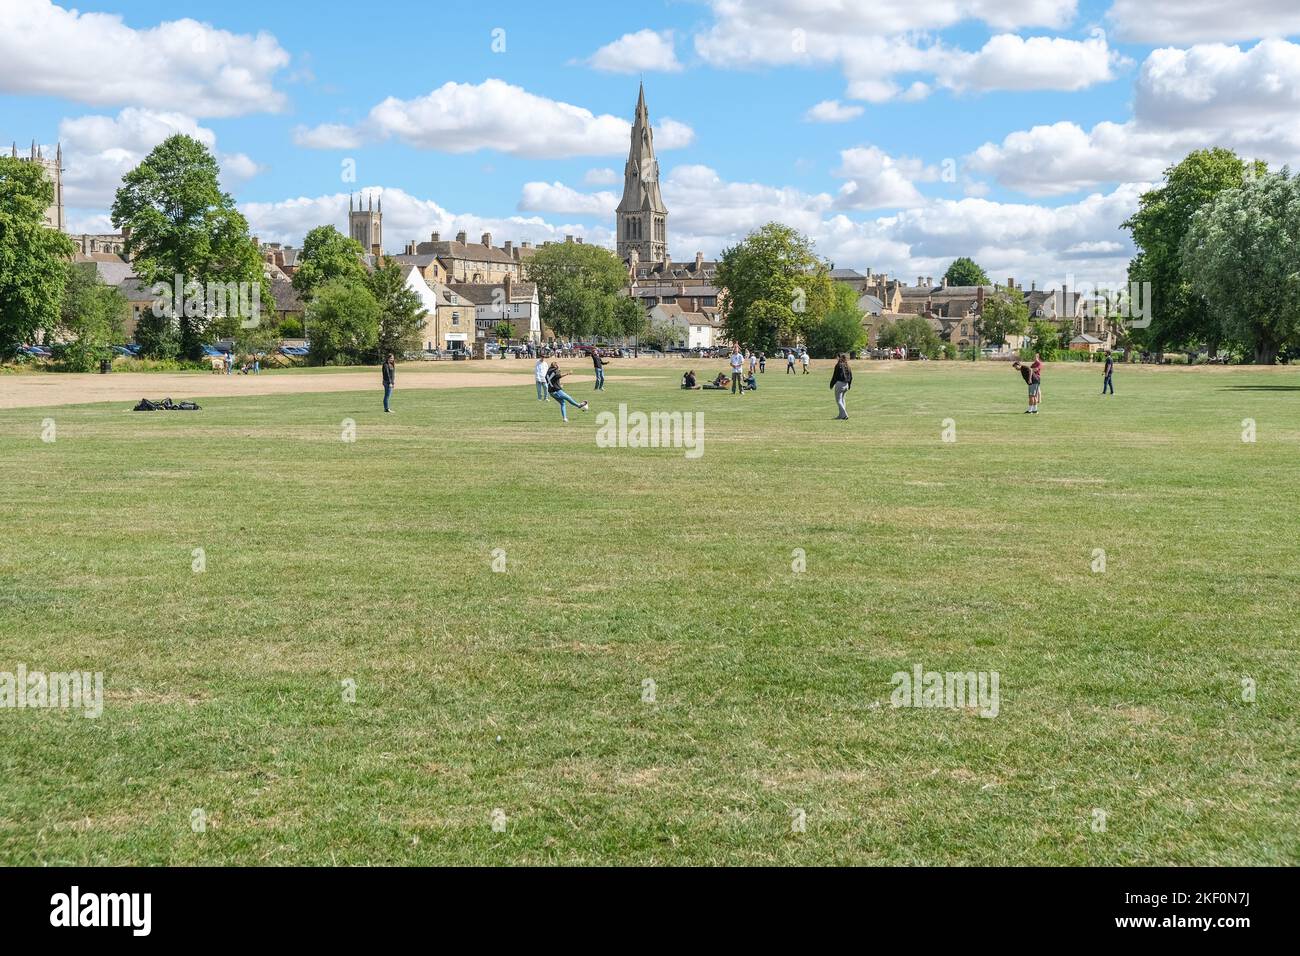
[[1004, 314], [1242, 252], [90, 318], [775, 288], [965, 271], [1044, 338], [504, 331], [841, 329], [186, 234], [1178, 316], [344, 321], [327, 254], [580, 288], [401, 311], [913, 333], [32, 256]]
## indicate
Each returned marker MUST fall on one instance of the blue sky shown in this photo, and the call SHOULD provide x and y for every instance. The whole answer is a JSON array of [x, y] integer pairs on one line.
[[1019, 132]]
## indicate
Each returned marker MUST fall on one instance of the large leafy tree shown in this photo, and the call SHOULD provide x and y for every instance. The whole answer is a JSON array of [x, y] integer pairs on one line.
[[327, 254], [1004, 314], [581, 289], [775, 288], [33, 257], [965, 271], [181, 225], [401, 312], [1242, 254], [1179, 316], [344, 321], [90, 317]]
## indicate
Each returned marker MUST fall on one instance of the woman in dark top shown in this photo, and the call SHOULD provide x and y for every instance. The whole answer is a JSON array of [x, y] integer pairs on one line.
[[390, 379], [557, 392], [841, 382]]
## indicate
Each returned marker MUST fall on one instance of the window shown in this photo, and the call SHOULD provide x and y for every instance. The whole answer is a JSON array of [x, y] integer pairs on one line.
[[455, 318]]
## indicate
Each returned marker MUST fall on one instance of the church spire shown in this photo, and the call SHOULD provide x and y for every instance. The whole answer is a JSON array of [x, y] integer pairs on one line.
[[641, 216]]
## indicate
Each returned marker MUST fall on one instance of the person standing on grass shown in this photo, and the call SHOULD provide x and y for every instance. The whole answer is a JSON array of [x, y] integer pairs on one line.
[[390, 379], [804, 357], [737, 371], [1107, 382], [1035, 383], [553, 376], [762, 362], [753, 364], [841, 382], [598, 364], [539, 373], [789, 361]]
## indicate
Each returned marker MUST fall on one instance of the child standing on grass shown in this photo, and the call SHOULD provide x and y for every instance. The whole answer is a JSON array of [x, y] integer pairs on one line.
[[553, 376]]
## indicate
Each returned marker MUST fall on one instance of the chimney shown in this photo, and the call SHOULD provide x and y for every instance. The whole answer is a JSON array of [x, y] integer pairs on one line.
[[568, 238], [460, 236], [920, 281], [508, 247], [435, 237], [487, 239], [507, 285], [699, 262], [945, 282], [1011, 283], [410, 248], [979, 299], [929, 281]]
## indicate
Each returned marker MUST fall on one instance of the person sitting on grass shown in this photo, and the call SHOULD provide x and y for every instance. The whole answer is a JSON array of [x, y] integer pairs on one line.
[[688, 380], [751, 383], [721, 382]]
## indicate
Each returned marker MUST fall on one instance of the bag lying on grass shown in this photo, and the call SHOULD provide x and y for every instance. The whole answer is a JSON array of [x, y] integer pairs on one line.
[[166, 405]]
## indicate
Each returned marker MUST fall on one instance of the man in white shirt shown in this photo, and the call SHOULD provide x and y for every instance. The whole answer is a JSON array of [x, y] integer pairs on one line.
[[539, 373], [737, 371], [803, 356]]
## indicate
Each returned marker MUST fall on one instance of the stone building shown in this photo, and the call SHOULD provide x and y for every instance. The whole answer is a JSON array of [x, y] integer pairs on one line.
[[53, 169], [459, 260], [641, 219], [366, 225]]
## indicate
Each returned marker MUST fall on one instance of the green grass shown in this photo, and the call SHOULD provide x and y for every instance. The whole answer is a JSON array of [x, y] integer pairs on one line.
[[371, 561]]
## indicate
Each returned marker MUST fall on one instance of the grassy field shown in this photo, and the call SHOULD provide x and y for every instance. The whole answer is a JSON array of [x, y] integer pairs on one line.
[[1121, 691]]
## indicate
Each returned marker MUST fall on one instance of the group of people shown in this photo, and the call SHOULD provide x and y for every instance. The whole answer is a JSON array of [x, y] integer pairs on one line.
[[549, 386], [791, 357]]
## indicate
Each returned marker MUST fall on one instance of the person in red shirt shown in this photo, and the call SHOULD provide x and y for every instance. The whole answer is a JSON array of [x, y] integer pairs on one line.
[[1035, 383]]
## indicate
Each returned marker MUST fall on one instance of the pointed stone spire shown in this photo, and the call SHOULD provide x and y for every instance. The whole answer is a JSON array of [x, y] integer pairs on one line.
[[641, 218]]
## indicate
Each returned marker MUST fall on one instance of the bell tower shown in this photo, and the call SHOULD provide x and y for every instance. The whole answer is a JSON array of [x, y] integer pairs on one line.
[[366, 224], [641, 219]]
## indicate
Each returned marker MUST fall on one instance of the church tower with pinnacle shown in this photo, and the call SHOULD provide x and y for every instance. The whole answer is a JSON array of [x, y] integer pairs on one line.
[[642, 217]]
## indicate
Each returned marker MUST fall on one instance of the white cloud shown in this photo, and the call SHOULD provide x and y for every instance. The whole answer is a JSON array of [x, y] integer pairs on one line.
[[99, 150], [876, 180], [1198, 21], [603, 176], [645, 51], [406, 218], [95, 58], [557, 197], [833, 111], [464, 118], [1208, 95], [1010, 62]]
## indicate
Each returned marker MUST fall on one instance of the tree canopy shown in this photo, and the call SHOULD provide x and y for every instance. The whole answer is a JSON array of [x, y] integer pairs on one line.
[[580, 288], [344, 321], [1242, 256], [1004, 314], [33, 257], [183, 227], [775, 288], [401, 311], [965, 271], [913, 333], [327, 254]]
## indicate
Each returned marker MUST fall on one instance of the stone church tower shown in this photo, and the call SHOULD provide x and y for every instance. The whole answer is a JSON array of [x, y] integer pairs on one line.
[[642, 217], [53, 169], [366, 225]]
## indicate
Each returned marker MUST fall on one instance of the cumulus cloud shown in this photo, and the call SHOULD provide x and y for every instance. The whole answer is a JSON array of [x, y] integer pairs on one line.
[[95, 58], [603, 176], [644, 51], [557, 197], [99, 150], [1207, 95], [833, 111], [465, 117], [876, 180], [874, 44], [1198, 21]]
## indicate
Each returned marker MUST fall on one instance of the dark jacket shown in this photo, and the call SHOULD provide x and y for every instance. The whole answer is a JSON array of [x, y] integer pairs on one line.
[[390, 374], [553, 380], [843, 374]]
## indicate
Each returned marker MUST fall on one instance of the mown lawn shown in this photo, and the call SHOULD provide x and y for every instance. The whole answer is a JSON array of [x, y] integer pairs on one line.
[[327, 561]]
